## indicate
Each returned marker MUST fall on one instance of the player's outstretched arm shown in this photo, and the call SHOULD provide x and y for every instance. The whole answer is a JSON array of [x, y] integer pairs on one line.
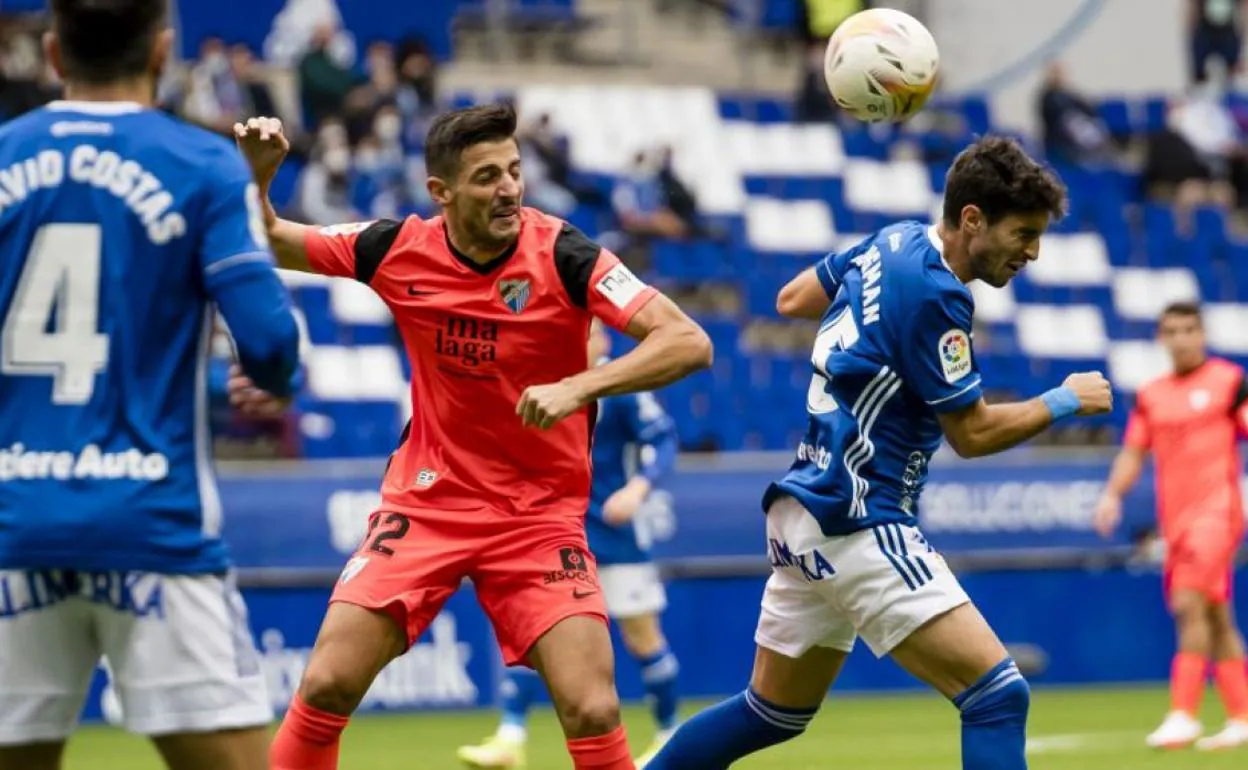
[[263, 143], [984, 429], [1126, 470], [803, 297], [672, 345]]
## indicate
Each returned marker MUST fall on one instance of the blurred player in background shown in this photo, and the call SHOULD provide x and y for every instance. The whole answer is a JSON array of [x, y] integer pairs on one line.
[[120, 228], [492, 479], [1190, 421], [893, 371], [635, 444]]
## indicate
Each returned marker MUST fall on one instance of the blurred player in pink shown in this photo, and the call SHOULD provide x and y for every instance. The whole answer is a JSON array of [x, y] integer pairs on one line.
[[1190, 420]]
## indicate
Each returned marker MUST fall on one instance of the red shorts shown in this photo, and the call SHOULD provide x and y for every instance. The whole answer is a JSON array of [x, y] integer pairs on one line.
[[530, 572], [1201, 557]]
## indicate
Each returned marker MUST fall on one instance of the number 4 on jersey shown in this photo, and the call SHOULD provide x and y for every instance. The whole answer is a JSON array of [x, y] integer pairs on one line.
[[840, 334], [59, 289]]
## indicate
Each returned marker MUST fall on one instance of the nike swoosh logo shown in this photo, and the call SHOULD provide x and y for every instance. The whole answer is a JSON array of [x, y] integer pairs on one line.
[[582, 594], [418, 292]]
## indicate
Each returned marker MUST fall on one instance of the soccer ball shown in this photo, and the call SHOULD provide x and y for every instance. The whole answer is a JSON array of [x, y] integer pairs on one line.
[[881, 65]]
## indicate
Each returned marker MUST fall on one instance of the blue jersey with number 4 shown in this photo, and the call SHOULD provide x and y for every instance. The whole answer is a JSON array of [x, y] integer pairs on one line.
[[893, 350], [634, 436], [120, 227]]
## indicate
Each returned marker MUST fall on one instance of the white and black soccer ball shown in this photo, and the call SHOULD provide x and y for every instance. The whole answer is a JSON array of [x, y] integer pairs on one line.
[[881, 65]]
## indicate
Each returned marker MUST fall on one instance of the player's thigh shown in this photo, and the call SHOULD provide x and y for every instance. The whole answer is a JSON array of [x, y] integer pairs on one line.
[[180, 653], [796, 683], [48, 653], [1200, 566], [952, 651], [536, 573], [245, 749], [35, 756]]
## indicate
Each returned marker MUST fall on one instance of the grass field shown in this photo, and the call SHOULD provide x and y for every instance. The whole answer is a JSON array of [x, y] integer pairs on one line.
[[1071, 730]]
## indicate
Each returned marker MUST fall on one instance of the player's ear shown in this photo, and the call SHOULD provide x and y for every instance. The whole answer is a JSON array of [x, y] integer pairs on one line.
[[161, 50], [439, 190], [972, 219], [52, 52]]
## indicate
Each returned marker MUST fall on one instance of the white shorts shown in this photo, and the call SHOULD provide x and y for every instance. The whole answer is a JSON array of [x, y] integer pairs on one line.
[[177, 647], [881, 583], [632, 589]]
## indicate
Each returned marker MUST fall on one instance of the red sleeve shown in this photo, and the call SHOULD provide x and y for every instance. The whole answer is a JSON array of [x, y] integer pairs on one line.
[[1139, 435], [351, 251], [615, 294]]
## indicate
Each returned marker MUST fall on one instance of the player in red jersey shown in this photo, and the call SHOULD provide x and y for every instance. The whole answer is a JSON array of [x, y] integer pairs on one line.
[[491, 481], [1190, 421]]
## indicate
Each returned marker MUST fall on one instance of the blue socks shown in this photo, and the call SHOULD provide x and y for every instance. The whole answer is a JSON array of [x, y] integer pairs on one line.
[[994, 720], [520, 688], [658, 673], [724, 733]]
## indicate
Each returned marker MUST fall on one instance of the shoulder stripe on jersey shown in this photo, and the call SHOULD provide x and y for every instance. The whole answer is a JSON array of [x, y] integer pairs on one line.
[[238, 259], [1241, 392], [575, 258], [371, 247], [973, 384], [866, 411]]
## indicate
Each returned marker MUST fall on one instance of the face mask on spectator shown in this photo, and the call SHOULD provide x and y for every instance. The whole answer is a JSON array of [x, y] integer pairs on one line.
[[388, 127], [336, 160], [367, 159]]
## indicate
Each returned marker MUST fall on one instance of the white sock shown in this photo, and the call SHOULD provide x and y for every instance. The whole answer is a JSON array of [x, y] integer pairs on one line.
[[512, 733]]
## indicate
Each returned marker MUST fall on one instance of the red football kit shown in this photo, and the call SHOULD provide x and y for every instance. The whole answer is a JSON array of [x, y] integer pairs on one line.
[[1191, 423], [471, 492]]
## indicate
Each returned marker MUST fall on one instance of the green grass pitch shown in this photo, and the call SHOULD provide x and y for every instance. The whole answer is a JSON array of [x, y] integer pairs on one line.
[[1070, 730]]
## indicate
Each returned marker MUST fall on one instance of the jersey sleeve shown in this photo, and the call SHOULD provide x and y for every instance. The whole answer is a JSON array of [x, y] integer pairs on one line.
[[354, 250], [233, 240], [1139, 434], [831, 269], [596, 279], [939, 364], [652, 429]]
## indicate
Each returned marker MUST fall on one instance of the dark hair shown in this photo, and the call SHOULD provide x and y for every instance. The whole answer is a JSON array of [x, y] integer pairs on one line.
[[996, 175], [103, 41], [1183, 309], [453, 132]]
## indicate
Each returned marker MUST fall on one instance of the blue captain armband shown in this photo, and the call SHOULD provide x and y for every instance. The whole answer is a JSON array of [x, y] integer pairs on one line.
[[1062, 402]]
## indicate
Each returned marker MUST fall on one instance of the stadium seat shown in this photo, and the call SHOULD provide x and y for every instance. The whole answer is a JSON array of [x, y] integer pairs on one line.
[[1133, 363], [789, 226], [1062, 331], [897, 188], [992, 305], [1141, 294], [1226, 325], [1071, 260]]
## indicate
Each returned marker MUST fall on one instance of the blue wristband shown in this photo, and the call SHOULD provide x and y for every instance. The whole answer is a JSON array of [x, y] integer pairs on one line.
[[1062, 402]]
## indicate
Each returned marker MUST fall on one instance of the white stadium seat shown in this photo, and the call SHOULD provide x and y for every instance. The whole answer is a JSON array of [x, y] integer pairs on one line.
[[366, 373], [352, 302], [897, 187], [1141, 294], [993, 305], [1078, 259], [789, 226], [1135, 362], [1062, 331], [1226, 327]]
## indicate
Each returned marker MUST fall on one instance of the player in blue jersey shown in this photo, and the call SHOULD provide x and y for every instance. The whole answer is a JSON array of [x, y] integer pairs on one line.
[[893, 372], [635, 444], [120, 229]]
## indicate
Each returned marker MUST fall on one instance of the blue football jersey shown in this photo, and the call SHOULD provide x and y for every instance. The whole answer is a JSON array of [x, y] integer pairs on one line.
[[893, 350], [633, 436], [119, 227]]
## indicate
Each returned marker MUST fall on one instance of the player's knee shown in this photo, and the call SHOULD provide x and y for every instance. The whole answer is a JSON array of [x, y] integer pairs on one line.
[[328, 689], [596, 712], [1009, 702]]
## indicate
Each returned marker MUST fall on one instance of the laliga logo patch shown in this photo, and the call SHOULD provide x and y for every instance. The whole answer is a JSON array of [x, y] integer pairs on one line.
[[1199, 399], [515, 293], [955, 355], [347, 229], [353, 568]]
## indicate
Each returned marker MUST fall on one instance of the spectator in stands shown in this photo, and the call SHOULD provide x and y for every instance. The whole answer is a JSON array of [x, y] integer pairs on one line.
[[1073, 131], [419, 70], [814, 102], [380, 183], [1188, 161], [323, 81], [1215, 31], [638, 202], [257, 96], [324, 186], [547, 168], [295, 27], [214, 98], [24, 76], [681, 200]]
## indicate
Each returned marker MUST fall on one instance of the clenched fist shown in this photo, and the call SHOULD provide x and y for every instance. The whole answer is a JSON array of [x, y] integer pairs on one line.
[[1094, 392], [264, 145], [545, 405]]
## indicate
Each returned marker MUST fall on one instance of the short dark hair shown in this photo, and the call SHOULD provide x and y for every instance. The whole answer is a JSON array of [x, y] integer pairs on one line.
[[103, 41], [1183, 309], [996, 175], [453, 132]]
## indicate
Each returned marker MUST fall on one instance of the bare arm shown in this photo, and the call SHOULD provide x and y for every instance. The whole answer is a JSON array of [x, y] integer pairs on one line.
[[671, 346], [286, 238], [986, 429], [1125, 471], [803, 297], [263, 143]]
